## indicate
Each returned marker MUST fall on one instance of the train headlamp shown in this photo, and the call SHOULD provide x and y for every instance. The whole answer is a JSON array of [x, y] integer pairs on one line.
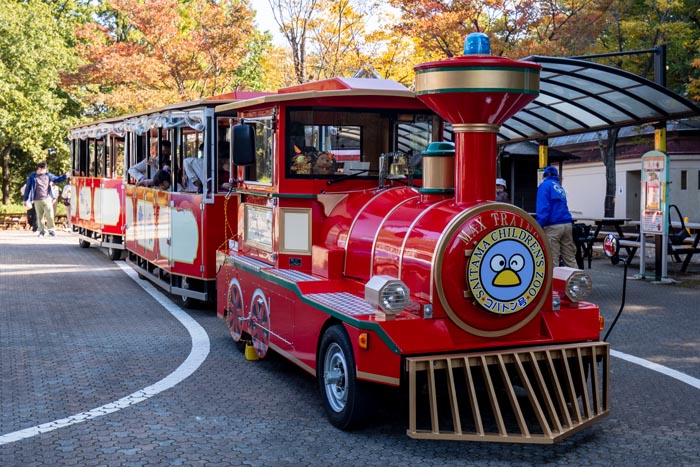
[[573, 283], [389, 294]]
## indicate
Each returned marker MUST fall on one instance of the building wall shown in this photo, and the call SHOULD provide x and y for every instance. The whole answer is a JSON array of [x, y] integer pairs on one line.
[[585, 186]]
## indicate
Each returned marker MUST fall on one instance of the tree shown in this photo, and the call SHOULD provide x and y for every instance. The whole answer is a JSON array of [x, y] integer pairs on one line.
[[294, 17], [643, 25], [33, 108], [337, 40], [147, 54]]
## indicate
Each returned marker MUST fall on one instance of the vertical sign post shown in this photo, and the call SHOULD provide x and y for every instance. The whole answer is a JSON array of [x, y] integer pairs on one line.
[[654, 208]]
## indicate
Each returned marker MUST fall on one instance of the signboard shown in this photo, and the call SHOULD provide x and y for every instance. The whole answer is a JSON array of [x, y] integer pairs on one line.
[[655, 179]]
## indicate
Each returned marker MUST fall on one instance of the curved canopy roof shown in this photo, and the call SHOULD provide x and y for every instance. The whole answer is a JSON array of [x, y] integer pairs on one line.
[[578, 96]]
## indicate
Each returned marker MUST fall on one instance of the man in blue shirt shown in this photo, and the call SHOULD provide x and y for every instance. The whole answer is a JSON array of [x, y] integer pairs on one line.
[[554, 217], [38, 191]]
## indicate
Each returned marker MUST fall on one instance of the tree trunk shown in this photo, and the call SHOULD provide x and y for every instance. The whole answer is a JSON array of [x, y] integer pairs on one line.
[[5, 162], [608, 153]]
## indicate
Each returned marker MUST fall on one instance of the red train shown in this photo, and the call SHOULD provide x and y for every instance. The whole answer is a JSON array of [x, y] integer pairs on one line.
[[425, 284], [360, 243]]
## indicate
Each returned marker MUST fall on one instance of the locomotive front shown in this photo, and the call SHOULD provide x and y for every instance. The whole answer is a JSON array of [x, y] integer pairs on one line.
[[481, 276]]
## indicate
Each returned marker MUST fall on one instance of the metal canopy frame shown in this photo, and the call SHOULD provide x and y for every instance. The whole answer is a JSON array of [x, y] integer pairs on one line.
[[579, 96]]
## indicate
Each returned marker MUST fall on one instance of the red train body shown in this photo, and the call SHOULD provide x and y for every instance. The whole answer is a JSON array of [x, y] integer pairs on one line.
[[358, 242], [429, 285]]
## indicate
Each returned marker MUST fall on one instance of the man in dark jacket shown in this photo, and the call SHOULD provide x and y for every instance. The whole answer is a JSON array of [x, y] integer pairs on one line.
[[38, 192], [554, 217]]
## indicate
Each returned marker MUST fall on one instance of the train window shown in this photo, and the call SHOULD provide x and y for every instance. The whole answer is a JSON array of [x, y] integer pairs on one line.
[[194, 173], [223, 174], [413, 135], [320, 149], [118, 158], [81, 157], [91, 158], [321, 143], [99, 157], [261, 172]]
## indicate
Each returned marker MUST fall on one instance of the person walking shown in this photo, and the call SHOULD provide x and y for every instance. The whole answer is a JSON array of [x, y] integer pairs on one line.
[[554, 217], [31, 212], [37, 192]]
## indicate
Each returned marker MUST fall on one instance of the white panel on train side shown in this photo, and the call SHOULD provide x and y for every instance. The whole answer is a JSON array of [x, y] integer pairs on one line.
[[130, 231], [106, 206], [145, 224], [85, 203], [73, 203], [185, 236]]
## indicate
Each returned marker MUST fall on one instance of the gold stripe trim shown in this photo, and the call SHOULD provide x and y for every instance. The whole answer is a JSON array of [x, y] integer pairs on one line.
[[475, 128], [477, 80], [293, 359], [378, 378]]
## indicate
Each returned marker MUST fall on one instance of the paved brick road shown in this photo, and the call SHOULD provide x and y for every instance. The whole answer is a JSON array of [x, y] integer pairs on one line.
[[77, 333]]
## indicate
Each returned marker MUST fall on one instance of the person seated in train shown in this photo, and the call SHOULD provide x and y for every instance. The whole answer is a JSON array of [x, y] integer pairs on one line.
[[194, 174], [224, 174], [138, 170], [160, 181]]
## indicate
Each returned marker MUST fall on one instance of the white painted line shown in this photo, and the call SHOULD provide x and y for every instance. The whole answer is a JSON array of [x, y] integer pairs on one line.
[[682, 377], [198, 353]]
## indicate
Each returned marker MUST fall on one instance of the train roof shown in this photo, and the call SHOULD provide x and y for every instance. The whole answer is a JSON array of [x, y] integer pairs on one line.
[[186, 111], [328, 88]]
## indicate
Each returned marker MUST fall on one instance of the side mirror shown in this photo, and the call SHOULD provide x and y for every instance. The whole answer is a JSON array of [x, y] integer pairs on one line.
[[611, 248], [243, 144]]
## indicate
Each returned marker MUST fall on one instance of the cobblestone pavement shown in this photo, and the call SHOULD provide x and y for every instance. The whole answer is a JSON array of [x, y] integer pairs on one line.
[[77, 333]]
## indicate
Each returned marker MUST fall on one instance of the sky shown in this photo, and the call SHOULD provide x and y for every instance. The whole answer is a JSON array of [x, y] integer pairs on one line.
[[265, 21]]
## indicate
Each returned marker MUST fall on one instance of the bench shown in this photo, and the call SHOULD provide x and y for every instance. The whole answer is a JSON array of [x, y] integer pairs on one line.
[[12, 221], [688, 248], [583, 239], [15, 221]]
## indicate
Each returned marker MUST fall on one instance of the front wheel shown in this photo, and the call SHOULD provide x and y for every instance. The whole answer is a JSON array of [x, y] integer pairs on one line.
[[344, 398], [83, 243]]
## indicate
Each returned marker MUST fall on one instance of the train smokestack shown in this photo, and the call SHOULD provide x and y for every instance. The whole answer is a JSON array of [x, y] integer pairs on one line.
[[476, 93]]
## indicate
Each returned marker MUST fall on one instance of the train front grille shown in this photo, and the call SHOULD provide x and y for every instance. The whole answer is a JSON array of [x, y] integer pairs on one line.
[[528, 395]]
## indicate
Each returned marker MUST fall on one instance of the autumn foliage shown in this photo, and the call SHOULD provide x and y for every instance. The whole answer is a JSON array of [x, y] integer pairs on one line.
[[145, 54]]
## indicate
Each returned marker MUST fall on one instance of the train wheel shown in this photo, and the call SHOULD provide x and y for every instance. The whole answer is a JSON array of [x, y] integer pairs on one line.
[[188, 302], [83, 243], [260, 324], [343, 395], [114, 254], [234, 316]]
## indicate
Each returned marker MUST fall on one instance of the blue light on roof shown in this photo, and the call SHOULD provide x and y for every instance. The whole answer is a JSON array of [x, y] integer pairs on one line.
[[477, 43]]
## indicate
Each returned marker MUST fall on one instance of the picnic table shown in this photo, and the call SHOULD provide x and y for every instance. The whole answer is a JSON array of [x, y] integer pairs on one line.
[[686, 249], [584, 238]]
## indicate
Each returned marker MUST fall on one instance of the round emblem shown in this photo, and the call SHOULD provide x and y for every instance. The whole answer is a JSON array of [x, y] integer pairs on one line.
[[492, 270], [506, 270]]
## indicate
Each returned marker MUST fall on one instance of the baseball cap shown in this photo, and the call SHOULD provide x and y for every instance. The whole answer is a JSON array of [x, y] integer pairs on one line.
[[551, 171], [501, 181]]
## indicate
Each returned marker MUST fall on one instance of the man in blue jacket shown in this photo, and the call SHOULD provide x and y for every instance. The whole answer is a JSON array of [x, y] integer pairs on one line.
[[554, 217], [38, 192]]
